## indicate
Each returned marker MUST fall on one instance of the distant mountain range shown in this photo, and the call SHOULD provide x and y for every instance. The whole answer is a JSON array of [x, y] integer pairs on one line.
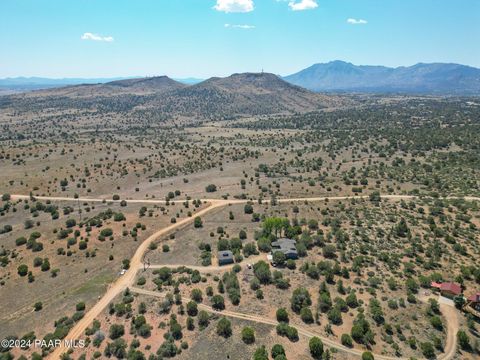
[[36, 83], [20, 84], [335, 76], [436, 78]]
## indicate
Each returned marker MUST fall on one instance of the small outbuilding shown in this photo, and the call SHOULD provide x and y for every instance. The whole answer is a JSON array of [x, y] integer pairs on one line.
[[474, 301], [225, 257]]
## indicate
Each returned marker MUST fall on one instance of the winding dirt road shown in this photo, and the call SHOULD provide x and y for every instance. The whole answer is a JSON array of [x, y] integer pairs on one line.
[[122, 282], [447, 311], [453, 325], [127, 280]]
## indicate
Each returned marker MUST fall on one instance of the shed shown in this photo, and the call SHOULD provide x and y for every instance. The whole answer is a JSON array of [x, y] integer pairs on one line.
[[474, 301], [225, 257]]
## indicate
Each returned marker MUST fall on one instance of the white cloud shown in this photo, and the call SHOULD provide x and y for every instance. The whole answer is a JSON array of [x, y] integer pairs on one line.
[[303, 5], [237, 26], [95, 37], [231, 6], [357, 21]]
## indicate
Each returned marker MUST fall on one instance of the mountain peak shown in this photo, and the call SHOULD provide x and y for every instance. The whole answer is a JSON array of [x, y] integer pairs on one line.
[[254, 78], [254, 75], [436, 78], [249, 81], [339, 63], [247, 94]]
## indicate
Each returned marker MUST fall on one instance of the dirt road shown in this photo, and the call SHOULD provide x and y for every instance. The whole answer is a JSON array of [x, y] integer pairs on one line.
[[122, 282], [447, 311], [453, 325], [264, 320], [239, 201], [127, 280], [450, 313], [211, 268]]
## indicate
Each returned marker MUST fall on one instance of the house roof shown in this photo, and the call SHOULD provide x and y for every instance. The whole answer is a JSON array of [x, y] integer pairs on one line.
[[474, 298], [225, 254], [286, 246], [436, 285], [452, 287], [284, 243]]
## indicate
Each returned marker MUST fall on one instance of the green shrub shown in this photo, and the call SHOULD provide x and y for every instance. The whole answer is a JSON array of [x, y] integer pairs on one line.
[[316, 347], [224, 327], [248, 335]]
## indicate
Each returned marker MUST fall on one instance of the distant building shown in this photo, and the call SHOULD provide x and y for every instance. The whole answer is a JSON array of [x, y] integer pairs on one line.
[[286, 246], [448, 289], [474, 301], [225, 257]]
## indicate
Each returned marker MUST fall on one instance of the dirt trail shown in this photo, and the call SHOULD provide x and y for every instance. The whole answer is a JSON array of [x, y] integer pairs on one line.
[[453, 325], [240, 201], [263, 320], [122, 282], [136, 262], [211, 268], [447, 311]]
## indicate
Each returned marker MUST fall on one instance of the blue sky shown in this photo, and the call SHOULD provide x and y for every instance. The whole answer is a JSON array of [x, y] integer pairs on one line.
[[203, 38]]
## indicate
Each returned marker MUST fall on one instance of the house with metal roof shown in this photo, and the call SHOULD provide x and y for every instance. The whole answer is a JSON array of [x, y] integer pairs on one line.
[[225, 257], [448, 289], [451, 289], [286, 246]]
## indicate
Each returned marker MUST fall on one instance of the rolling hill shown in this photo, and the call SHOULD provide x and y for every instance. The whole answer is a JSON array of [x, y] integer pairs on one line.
[[436, 78], [25, 84], [243, 94], [134, 86], [22, 84], [237, 95]]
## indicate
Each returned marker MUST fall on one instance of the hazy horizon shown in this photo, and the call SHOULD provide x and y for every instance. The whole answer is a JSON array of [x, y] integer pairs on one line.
[[194, 77]]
